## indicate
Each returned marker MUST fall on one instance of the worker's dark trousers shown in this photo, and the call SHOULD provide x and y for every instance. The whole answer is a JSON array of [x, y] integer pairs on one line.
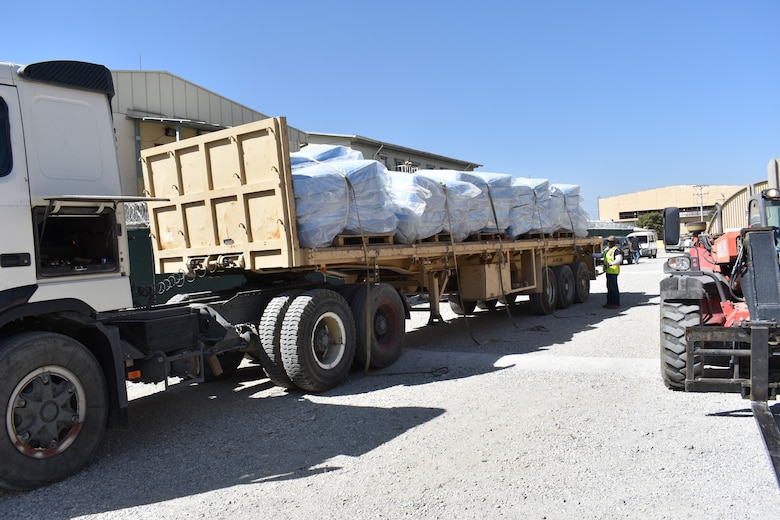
[[613, 293]]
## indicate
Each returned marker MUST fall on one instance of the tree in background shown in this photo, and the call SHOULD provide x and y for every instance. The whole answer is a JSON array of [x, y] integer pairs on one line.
[[653, 221]]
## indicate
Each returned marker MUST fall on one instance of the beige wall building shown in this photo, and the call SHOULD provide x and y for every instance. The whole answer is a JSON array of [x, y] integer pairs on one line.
[[694, 201]]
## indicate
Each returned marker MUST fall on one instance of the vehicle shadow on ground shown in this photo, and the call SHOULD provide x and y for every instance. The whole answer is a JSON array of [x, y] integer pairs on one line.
[[194, 439], [520, 331]]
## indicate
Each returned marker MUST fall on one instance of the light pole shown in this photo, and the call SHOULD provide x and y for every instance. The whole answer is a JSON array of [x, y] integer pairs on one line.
[[701, 187]]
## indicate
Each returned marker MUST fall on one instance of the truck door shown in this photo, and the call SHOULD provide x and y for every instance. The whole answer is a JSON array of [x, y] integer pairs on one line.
[[16, 235]]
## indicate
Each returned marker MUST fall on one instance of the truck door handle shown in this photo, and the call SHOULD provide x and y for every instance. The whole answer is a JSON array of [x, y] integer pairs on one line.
[[14, 259]]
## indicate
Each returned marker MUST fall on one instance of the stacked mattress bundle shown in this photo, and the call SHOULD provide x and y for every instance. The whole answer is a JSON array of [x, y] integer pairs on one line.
[[338, 192]]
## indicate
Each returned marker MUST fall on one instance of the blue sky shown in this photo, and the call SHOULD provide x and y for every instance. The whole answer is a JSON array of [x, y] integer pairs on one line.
[[614, 95]]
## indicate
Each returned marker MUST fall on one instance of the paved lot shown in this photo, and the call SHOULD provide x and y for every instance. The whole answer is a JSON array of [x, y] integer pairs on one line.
[[560, 416]]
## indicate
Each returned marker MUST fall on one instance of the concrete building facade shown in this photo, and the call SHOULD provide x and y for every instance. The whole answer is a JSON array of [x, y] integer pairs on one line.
[[695, 202]]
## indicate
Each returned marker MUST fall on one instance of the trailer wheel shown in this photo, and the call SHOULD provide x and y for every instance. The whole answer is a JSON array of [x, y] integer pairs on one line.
[[269, 355], [545, 301], [564, 279], [388, 325], [228, 362], [581, 282], [459, 307], [54, 401], [317, 340], [675, 317], [487, 305]]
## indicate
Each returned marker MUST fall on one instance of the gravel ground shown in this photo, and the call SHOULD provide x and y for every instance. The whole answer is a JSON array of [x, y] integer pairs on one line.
[[557, 417]]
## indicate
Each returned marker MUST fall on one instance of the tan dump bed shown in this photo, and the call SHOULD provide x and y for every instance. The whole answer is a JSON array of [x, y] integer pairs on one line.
[[231, 198]]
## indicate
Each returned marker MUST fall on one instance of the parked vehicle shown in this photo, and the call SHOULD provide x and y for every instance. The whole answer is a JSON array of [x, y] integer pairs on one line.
[[648, 242], [677, 246], [625, 248], [219, 204]]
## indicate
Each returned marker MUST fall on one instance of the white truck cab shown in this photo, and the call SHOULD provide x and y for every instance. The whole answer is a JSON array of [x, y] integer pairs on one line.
[[63, 236]]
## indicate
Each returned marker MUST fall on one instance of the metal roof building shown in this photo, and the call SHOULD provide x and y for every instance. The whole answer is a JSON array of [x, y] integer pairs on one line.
[[156, 107]]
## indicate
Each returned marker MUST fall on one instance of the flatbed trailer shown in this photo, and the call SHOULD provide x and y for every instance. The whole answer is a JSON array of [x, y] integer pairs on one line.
[[230, 207]]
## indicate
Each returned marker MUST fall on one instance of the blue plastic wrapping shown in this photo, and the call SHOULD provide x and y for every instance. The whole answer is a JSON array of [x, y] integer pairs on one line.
[[496, 198], [467, 215], [341, 196], [419, 206], [312, 154], [337, 192]]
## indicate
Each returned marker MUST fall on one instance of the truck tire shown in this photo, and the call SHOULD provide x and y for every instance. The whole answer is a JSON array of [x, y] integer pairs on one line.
[[317, 340], [675, 317], [545, 301], [459, 307], [388, 325], [269, 353], [564, 280], [581, 282], [54, 401]]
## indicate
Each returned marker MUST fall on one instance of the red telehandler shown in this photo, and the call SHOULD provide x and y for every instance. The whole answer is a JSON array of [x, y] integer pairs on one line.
[[720, 312]]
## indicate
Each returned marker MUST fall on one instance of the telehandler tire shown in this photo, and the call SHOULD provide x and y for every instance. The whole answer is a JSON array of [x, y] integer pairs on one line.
[[675, 317]]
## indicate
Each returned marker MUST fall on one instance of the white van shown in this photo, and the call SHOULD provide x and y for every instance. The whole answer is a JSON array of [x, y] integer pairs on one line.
[[648, 242]]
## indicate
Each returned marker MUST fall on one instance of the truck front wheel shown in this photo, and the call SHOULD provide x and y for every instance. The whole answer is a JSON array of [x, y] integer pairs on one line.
[[54, 401], [675, 317], [317, 340]]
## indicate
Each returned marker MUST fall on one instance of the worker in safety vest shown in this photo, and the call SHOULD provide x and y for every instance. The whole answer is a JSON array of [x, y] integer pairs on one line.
[[612, 260]]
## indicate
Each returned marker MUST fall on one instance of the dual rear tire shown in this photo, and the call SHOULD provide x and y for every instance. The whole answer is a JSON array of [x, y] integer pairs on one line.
[[310, 340], [562, 286]]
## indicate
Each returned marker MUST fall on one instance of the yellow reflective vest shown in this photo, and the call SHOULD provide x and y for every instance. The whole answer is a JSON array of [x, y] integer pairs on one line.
[[609, 258]]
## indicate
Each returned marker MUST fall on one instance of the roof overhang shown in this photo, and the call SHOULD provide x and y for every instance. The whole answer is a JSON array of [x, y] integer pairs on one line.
[[367, 141], [183, 123]]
